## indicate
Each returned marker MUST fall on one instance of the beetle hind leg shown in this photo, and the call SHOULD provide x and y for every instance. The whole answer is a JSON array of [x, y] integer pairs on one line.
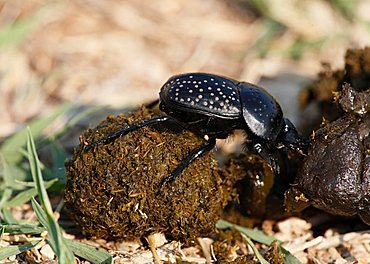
[[152, 104], [125, 130]]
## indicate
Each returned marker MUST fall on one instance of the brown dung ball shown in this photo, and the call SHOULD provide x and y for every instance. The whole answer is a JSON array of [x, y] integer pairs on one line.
[[113, 192]]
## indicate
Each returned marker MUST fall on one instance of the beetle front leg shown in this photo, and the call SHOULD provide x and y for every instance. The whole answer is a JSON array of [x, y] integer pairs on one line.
[[267, 154]]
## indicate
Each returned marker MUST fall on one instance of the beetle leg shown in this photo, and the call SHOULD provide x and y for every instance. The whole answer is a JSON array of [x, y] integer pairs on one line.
[[264, 151], [152, 104], [189, 159], [125, 130], [364, 211]]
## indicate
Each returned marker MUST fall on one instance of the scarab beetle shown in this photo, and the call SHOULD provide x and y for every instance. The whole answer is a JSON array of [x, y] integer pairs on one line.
[[212, 107]]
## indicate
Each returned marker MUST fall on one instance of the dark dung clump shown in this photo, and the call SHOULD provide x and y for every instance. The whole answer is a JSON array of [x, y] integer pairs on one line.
[[335, 174], [317, 100]]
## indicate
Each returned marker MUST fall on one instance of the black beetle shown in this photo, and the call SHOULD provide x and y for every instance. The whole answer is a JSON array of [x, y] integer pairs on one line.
[[212, 106]]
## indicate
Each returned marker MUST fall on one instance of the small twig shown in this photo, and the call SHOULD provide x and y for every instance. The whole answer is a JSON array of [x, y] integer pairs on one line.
[[151, 242], [205, 244]]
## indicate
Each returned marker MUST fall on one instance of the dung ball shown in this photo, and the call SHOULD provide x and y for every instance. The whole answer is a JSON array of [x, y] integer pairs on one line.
[[112, 189]]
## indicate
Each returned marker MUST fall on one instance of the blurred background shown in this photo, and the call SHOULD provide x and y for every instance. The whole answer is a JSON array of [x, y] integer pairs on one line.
[[119, 53]]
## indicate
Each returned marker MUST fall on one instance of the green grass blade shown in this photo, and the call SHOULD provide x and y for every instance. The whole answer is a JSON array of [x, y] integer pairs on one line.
[[2, 231], [75, 120], [37, 175], [10, 147], [270, 30], [45, 216], [289, 257], [345, 7], [255, 250], [262, 6], [6, 194], [26, 195], [8, 217], [55, 238], [11, 172], [41, 215], [254, 234], [260, 237], [9, 251], [54, 231], [59, 156], [90, 253], [10, 150], [14, 33], [22, 229]]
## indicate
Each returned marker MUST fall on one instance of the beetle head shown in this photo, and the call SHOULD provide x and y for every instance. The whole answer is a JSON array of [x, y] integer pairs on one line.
[[290, 137]]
